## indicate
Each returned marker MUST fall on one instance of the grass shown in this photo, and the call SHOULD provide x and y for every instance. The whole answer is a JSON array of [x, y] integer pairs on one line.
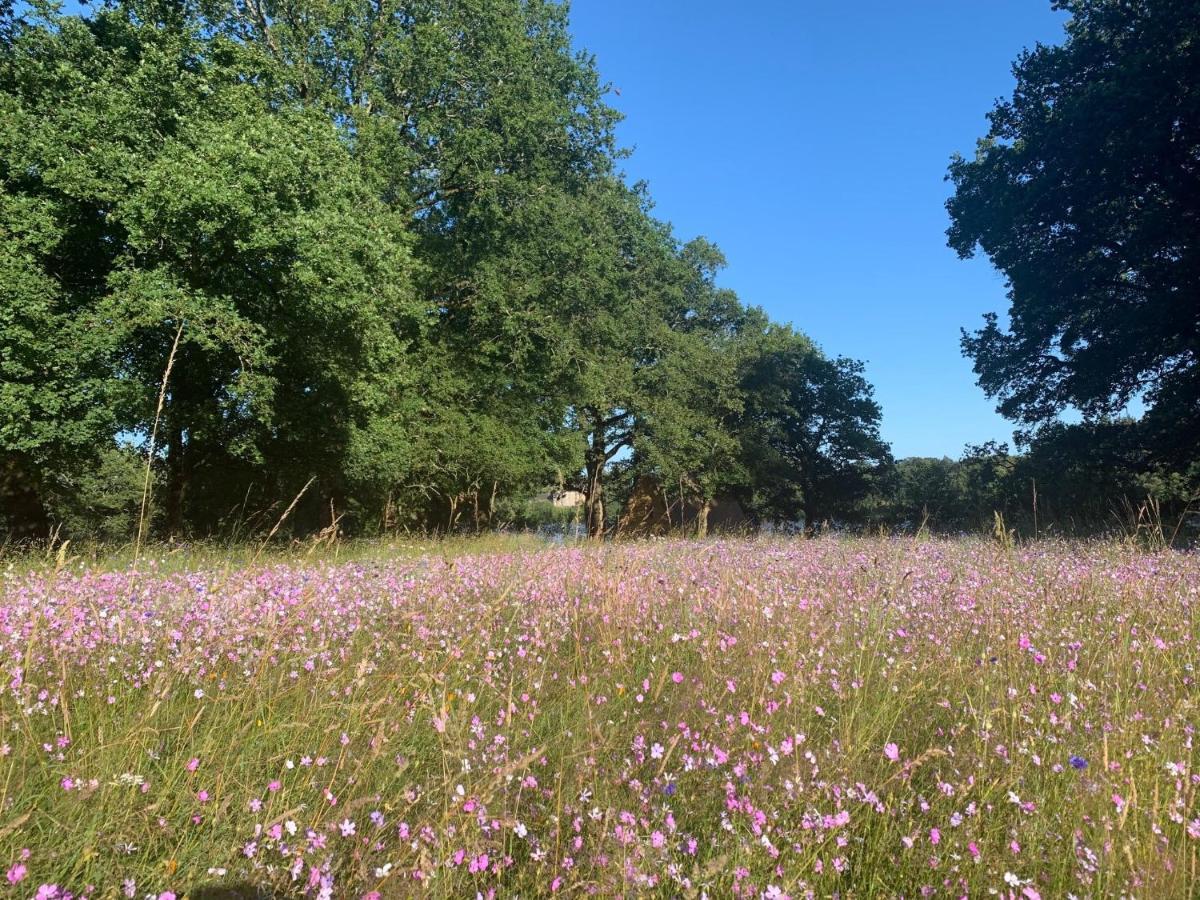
[[746, 718]]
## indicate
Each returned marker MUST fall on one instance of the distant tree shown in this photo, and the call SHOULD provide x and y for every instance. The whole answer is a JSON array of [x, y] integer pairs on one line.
[[927, 492], [810, 431], [1085, 194], [690, 437]]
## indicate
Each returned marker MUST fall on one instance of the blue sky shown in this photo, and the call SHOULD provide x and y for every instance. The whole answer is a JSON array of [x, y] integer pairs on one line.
[[810, 141]]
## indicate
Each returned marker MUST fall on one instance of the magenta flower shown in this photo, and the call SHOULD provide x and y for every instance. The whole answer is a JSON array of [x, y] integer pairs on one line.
[[892, 752]]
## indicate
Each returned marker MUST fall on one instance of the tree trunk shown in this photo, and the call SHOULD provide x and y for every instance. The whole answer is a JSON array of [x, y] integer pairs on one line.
[[594, 461], [594, 504], [702, 519], [177, 480]]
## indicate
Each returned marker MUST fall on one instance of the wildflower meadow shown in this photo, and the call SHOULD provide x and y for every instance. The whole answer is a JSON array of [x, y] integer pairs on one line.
[[733, 718]]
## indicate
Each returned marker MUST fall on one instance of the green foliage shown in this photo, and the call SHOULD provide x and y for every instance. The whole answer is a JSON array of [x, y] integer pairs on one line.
[[814, 450], [1085, 195], [1081, 479], [401, 262], [102, 500]]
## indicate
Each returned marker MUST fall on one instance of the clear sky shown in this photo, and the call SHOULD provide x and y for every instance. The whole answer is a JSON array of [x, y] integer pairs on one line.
[[810, 141]]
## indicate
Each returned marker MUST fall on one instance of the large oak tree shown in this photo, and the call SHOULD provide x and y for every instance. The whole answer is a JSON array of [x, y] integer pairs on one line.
[[1085, 194]]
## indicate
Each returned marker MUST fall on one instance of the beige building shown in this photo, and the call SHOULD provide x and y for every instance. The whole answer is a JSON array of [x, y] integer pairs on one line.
[[566, 499]]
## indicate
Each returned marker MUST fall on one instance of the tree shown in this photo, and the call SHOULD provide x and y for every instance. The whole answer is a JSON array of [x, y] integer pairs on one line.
[[811, 425], [387, 248], [174, 194], [1085, 194], [690, 434], [478, 123]]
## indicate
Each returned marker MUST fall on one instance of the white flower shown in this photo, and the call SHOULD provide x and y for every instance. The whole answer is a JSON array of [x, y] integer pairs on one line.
[[521, 830]]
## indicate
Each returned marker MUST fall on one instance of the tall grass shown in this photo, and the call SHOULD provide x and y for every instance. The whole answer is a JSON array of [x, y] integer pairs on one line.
[[745, 718]]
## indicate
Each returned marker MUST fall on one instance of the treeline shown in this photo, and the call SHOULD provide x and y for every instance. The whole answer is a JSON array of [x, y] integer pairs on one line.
[[374, 264], [377, 255], [1071, 480]]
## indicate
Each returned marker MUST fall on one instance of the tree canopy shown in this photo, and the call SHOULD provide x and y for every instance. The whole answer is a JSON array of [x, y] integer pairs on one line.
[[1085, 194], [383, 250]]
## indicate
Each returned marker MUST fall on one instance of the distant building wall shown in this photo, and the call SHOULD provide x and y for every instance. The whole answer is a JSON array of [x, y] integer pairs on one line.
[[566, 499]]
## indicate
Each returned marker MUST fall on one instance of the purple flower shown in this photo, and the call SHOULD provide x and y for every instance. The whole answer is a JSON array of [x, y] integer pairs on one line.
[[1078, 762]]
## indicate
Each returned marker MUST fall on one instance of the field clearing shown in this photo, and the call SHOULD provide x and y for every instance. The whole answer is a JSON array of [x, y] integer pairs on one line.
[[748, 718]]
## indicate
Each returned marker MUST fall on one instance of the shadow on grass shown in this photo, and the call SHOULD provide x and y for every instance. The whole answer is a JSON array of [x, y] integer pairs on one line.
[[234, 892]]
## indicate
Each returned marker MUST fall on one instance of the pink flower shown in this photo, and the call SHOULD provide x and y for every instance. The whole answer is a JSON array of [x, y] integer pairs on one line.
[[193, 764], [167, 895], [892, 752], [274, 786], [202, 796], [17, 873], [677, 677], [974, 848], [935, 836]]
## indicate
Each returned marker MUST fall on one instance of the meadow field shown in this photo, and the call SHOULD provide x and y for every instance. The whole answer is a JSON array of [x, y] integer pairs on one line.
[[732, 718]]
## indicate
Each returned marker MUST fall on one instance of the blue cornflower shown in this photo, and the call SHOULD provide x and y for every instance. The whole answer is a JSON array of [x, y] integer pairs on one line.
[[1078, 762]]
